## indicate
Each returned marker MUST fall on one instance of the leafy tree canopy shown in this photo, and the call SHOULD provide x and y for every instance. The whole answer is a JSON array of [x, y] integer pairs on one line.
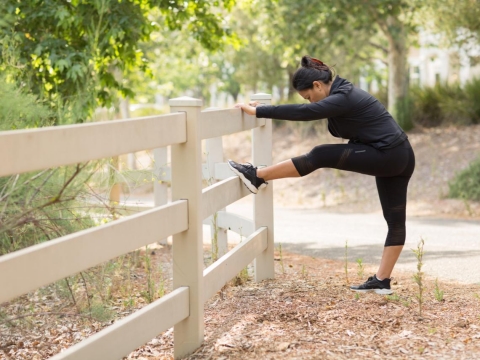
[[75, 51]]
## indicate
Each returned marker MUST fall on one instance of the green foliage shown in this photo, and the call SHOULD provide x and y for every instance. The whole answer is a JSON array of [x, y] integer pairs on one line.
[[403, 113], [154, 280], [76, 53], [446, 104], [100, 312], [458, 21], [361, 267], [397, 298], [466, 184], [437, 292], [19, 110], [43, 205], [419, 275], [279, 33]]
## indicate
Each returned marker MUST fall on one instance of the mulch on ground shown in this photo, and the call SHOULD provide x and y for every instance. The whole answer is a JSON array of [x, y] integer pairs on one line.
[[307, 312]]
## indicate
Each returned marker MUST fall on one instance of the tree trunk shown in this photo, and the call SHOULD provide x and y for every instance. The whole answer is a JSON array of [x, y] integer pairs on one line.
[[125, 113], [398, 100], [291, 90]]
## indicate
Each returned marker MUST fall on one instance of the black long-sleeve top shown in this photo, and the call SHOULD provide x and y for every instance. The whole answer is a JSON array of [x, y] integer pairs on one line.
[[352, 114]]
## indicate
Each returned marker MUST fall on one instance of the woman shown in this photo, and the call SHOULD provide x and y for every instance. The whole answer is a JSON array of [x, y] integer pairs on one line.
[[377, 146]]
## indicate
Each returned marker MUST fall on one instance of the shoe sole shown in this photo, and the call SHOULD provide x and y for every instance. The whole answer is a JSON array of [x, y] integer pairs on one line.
[[376, 291], [246, 182]]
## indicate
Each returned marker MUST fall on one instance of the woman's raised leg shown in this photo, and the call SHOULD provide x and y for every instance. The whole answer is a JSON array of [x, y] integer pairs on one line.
[[284, 169]]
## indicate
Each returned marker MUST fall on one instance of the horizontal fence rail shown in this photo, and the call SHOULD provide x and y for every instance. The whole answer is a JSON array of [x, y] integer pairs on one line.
[[219, 195], [30, 150], [236, 223], [229, 265], [225, 122], [28, 269], [133, 331], [47, 262]]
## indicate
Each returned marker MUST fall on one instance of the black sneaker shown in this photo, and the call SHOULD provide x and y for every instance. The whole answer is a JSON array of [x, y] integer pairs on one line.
[[373, 284], [248, 174]]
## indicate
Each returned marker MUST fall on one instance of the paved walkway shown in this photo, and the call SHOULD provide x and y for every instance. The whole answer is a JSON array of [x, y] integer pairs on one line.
[[452, 247]]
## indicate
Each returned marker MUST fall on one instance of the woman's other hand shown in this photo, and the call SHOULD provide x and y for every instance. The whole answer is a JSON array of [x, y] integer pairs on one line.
[[249, 109]]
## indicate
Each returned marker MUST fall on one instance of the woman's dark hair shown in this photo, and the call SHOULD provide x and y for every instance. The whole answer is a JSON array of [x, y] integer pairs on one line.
[[312, 70]]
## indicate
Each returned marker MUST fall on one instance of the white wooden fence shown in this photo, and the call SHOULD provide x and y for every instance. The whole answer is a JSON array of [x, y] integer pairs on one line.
[[184, 129]]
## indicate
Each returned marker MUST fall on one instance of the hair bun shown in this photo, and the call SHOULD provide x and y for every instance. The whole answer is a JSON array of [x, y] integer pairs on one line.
[[305, 61], [310, 62]]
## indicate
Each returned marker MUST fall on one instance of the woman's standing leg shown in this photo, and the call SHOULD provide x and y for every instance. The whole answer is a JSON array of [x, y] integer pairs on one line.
[[393, 198]]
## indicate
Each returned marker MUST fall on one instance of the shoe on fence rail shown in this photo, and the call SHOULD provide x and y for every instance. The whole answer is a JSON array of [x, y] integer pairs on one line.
[[372, 284], [248, 174]]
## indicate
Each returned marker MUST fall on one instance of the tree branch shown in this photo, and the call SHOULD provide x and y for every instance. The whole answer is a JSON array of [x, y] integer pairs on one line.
[[378, 46], [42, 313], [37, 190]]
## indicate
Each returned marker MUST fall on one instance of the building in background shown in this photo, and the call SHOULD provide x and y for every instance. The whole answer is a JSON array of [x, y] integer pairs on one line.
[[432, 64]]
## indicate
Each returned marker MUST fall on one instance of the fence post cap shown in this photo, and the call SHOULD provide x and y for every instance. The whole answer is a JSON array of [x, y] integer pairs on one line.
[[185, 101], [212, 108], [261, 96]]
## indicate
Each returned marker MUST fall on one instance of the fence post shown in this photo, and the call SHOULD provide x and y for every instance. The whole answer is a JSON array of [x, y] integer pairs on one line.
[[263, 201], [214, 150], [188, 245], [160, 188]]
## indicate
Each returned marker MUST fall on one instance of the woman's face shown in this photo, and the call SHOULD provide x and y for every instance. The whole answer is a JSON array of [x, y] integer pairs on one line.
[[319, 92]]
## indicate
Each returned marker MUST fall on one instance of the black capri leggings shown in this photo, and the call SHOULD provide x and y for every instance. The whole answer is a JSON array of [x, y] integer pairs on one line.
[[392, 169]]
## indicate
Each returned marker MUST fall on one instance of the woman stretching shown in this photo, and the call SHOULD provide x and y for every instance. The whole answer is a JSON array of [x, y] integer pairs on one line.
[[377, 146]]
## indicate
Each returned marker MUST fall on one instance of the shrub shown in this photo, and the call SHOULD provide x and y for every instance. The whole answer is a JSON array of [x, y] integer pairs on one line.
[[19, 110], [466, 184], [472, 91], [446, 104]]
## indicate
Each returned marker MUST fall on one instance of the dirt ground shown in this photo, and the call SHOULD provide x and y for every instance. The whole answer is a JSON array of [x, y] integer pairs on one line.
[[307, 312]]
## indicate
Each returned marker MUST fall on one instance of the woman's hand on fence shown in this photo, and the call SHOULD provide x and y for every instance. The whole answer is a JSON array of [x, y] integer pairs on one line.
[[249, 109]]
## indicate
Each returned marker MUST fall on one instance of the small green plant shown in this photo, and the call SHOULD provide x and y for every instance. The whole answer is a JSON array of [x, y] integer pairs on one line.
[[304, 271], [418, 277], [361, 268], [432, 331], [150, 292], [215, 237], [281, 257], [397, 298], [437, 292], [346, 262], [242, 276], [100, 312], [161, 282], [393, 297], [357, 296]]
